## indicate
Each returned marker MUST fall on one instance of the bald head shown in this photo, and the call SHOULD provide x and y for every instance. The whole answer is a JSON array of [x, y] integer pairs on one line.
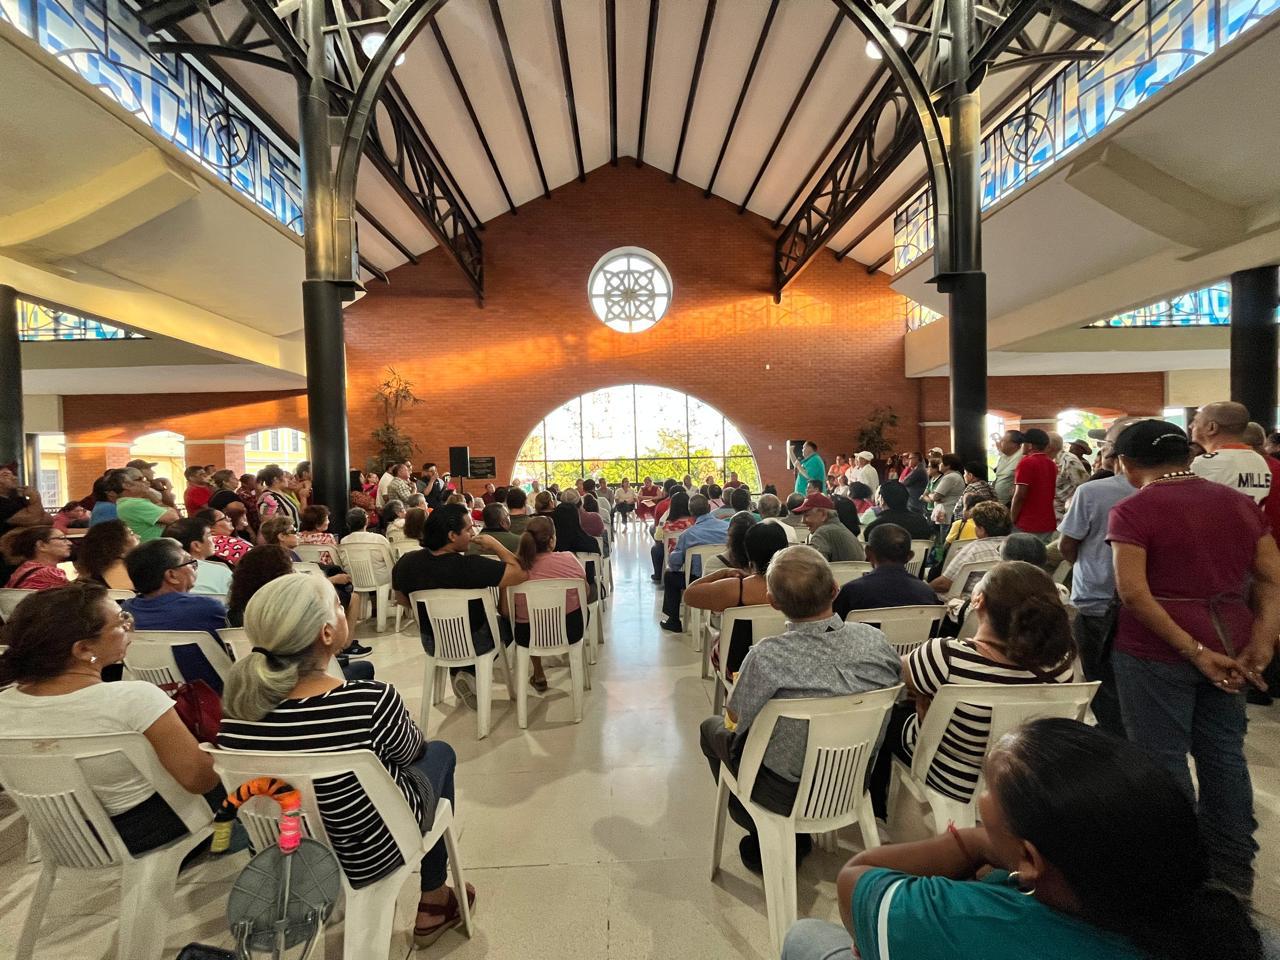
[[1217, 424]]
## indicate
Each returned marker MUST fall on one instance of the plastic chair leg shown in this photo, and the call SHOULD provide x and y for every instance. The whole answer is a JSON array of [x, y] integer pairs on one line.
[[577, 679], [867, 823], [778, 856], [717, 833], [147, 891], [459, 881], [428, 694], [384, 601], [484, 695], [36, 910], [370, 914], [717, 697], [522, 689], [508, 671]]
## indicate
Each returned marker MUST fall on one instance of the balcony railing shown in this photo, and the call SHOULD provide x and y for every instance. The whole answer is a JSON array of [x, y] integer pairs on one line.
[[102, 41], [1155, 43]]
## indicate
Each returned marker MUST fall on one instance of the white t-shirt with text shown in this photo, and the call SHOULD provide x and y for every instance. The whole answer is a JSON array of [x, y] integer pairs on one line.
[[1238, 467]]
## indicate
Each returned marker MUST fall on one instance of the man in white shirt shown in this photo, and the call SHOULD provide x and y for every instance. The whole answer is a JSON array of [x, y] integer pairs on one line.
[[357, 521], [384, 482], [864, 472], [1219, 428], [1010, 451]]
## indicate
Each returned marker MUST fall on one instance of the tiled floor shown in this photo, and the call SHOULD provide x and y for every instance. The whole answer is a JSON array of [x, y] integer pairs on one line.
[[583, 840]]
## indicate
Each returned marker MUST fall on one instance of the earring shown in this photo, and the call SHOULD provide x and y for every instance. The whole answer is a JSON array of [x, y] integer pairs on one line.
[[92, 658], [1015, 878]]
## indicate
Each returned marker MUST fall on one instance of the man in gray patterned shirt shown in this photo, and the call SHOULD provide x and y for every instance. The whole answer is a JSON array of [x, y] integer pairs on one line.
[[817, 656]]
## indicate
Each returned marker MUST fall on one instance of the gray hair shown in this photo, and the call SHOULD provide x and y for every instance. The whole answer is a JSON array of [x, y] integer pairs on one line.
[[415, 500], [284, 618], [699, 506], [1024, 546], [800, 581], [768, 506], [570, 496]]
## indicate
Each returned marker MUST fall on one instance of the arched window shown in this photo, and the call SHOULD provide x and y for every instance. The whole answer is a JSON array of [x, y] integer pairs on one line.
[[634, 430], [282, 446]]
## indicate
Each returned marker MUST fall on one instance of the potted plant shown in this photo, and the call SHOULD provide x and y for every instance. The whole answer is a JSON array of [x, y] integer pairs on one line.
[[871, 435], [393, 445]]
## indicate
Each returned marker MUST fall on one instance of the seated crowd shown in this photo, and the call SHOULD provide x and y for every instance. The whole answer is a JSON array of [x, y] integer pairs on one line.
[[1092, 841]]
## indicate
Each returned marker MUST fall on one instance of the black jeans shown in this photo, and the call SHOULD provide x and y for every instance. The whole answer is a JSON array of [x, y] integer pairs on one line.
[[152, 823], [1091, 634], [775, 793], [672, 592], [655, 552], [481, 636]]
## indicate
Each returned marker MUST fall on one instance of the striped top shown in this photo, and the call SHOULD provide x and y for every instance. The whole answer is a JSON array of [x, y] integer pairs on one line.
[[957, 765], [359, 715]]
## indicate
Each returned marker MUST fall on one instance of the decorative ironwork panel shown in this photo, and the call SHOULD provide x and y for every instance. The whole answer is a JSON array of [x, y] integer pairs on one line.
[[102, 41], [36, 321], [917, 315], [1155, 43], [630, 290]]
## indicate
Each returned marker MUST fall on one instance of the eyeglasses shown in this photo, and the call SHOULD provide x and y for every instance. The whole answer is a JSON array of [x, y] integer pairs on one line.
[[186, 563], [125, 622]]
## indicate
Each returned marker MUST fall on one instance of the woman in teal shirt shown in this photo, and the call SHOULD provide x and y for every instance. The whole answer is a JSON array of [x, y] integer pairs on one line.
[[1096, 855], [810, 468]]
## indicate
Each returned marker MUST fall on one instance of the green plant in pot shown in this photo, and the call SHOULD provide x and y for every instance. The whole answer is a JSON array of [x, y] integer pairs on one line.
[[393, 444]]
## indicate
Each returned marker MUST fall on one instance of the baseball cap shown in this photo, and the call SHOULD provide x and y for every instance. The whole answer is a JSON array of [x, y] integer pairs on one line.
[[1034, 436], [142, 464], [865, 455], [1147, 438], [815, 501]]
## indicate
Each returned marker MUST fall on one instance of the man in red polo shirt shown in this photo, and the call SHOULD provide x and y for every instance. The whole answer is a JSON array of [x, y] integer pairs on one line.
[[1034, 483]]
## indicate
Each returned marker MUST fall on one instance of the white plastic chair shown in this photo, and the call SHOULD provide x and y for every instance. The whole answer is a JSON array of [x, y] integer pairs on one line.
[[44, 777], [1011, 706], [370, 566], [964, 575], [10, 597], [705, 553], [370, 910], [839, 747], [237, 639], [1062, 572], [605, 587], [904, 627], [920, 551], [309, 568], [846, 570], [766, 621], [449, 613], [593, 629], [119, 595], [150, 655], [318, 554], [547, 607], [402, 547]]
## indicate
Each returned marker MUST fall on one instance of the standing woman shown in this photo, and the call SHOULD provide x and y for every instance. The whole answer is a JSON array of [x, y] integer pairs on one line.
[[1199, 576], [275, 499], [281, 698]]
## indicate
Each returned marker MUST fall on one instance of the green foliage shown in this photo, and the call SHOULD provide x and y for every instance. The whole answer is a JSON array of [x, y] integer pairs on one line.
[[395, 393], [871, 435]]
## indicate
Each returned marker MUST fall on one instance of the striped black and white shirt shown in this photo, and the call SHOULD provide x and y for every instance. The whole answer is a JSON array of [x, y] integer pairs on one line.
[[359, 715], [957, 765]]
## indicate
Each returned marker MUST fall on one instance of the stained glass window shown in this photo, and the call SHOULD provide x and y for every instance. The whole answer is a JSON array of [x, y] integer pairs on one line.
[[630, 289]]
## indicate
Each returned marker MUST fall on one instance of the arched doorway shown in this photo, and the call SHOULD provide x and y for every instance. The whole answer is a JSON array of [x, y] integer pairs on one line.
[[633, 430]]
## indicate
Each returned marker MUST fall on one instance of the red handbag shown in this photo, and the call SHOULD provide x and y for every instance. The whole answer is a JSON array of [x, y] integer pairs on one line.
[[199, 708]]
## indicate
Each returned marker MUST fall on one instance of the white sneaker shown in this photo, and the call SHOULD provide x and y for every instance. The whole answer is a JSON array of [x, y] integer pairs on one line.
[[464, 688]]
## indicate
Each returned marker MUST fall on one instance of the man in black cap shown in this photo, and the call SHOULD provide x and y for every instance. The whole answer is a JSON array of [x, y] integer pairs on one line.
[[1034, 483]]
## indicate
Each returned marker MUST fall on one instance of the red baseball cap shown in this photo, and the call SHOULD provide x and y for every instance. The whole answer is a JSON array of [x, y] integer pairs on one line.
[[815, 501]]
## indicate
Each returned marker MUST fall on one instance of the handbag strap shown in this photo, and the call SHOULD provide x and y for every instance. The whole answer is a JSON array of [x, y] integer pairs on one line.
[[1215, 618]]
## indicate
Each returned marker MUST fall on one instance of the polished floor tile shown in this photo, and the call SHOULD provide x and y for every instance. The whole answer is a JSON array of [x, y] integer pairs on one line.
[[584, 840]]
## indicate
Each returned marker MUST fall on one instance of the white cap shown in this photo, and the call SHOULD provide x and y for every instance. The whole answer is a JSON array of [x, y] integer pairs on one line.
[[865, 455]]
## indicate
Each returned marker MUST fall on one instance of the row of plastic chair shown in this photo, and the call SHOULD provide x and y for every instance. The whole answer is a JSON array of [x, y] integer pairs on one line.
[[46, 779]]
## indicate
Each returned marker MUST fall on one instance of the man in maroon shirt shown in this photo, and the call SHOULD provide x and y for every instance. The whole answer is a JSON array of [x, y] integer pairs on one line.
[[1034, 483]]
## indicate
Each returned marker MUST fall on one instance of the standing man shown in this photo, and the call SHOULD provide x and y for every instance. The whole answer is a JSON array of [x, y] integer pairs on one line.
[[1071, 473], [1219, 428], [1035, 482], [1009, 446], [1093, 580], [810, 469], [196, 497], [864, 472], [915, 479], [432, 487]]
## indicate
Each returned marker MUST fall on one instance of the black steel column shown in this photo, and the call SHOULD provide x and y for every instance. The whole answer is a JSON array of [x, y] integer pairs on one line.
[[322, 294], [964, 281], [13, 442], [1254, 296]]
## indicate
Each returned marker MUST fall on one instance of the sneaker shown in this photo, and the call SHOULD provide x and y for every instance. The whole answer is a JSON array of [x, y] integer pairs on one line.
[[464, 688], [357, 650]]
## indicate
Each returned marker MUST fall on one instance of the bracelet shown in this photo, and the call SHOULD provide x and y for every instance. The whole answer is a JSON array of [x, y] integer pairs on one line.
[[1194, 653], [951, 829]]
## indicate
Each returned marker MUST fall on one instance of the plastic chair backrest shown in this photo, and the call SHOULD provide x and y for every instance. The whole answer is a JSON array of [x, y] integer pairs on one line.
[[118, 595], [961, 585], [591, 564], [1062, 572], [46, 779], [237, 638], [920, 550], [904, 627], [401, 547], [360, 560], [307, 567], [1011, 706], [449, 613], [704, 552], [765, 622], [547, 604], [150, 655], [846, 570], [10, 597], [260, 815], [839, 745], [317, 553]]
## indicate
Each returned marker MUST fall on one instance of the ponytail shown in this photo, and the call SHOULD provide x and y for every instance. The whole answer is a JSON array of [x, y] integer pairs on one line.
[[537, 538]]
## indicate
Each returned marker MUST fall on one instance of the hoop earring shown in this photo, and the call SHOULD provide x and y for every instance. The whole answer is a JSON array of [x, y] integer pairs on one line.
[[1016, 879]]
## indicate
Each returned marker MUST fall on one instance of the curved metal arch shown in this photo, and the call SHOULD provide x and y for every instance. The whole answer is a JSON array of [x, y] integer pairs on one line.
[[865, 15]]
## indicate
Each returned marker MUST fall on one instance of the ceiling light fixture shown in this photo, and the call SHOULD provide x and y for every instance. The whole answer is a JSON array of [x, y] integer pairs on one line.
[[372, 42], [873, 49]]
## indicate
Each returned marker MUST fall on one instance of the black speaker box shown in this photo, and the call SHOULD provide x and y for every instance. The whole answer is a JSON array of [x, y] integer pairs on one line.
[[460, 461]]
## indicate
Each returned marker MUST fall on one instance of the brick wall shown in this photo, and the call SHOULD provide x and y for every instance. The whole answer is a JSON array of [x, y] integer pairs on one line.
[[811, 366]]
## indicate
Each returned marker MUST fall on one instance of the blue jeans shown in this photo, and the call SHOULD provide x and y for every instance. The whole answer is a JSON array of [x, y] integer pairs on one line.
[[1172, 709], [437, 764], [811, 939]]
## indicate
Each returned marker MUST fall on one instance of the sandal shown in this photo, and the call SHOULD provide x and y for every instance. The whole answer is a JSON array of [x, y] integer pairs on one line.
[[538, 683], [447, 916]]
